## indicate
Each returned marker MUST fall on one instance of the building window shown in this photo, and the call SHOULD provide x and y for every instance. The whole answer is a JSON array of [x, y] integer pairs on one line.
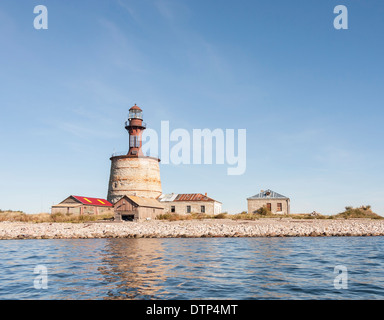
[[279, 206], [202, 209], [173, 209], [188, 209], [269, 206]]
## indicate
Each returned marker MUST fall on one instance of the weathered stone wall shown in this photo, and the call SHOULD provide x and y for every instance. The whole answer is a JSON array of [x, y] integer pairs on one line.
[[211, 207], [151, 213], [82, 210], [140, 213], [134, 176], [254, 204], [64, 210]]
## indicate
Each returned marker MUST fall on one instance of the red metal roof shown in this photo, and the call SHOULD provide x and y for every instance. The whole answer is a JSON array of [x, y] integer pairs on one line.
[[135, 107], [193, 197], [93, 201]]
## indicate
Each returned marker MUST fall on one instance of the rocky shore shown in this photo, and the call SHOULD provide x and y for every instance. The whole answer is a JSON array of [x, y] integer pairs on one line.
[[193, 229]]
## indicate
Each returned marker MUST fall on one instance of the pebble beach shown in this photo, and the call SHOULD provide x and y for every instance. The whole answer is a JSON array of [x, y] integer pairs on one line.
[[193, 229]]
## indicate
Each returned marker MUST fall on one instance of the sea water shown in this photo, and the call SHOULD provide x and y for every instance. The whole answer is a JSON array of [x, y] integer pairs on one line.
[[193, 268]]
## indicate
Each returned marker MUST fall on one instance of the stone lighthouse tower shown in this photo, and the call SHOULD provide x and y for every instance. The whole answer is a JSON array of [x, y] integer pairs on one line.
[[134, 174]]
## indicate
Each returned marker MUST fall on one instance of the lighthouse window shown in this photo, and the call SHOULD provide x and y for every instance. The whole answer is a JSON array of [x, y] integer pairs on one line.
[[132, 141], [135, 114], [137, 142]]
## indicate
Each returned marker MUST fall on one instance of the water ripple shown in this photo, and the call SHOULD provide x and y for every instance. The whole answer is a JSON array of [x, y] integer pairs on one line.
[[204, 268]]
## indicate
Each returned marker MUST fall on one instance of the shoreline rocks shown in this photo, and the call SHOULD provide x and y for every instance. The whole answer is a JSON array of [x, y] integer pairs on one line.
[[209, 228]]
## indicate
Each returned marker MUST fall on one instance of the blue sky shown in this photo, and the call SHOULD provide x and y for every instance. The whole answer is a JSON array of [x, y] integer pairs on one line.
[[310, 96]]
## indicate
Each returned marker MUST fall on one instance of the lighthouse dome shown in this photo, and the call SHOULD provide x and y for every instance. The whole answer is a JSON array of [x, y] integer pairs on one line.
[[135, 113]]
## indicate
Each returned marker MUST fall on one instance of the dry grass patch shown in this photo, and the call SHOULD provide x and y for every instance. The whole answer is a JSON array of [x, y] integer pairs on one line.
[[361, 212], [19, 216]]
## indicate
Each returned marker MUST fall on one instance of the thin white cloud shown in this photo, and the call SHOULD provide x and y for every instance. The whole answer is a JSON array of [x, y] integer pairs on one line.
[[301, 137], [126, 5], [83, 131], [171, 10], [120, 48], [106, 95], [8, 28], [164, 8], [337, 155]]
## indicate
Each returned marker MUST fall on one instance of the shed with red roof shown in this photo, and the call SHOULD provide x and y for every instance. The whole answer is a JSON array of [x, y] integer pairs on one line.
[[83, 205]]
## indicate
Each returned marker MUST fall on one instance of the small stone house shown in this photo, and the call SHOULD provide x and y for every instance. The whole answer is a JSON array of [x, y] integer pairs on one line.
[[134, 208], [273, 201], [190, 203], [83, 205]]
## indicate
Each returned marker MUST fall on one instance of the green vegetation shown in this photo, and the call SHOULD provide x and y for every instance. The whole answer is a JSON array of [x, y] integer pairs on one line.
[[263, 211], [361, 212]]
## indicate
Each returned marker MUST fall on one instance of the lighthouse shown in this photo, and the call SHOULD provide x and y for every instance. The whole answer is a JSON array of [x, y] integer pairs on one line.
[[135, 126], [134, 174]]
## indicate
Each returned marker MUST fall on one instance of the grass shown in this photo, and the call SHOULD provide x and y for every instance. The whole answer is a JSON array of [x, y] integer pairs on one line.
[[176, 217], [349, 213], [239, 216], [20, 216]]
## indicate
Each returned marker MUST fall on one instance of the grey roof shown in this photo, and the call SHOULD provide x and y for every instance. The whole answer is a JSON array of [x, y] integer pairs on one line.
[[268, 194], [167, 197]]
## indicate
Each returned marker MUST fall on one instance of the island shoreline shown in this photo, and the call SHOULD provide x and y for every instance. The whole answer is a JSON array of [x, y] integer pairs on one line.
[[207, 228]]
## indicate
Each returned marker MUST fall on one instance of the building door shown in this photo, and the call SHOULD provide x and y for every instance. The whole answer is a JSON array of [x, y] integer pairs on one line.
[[128, 217]]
